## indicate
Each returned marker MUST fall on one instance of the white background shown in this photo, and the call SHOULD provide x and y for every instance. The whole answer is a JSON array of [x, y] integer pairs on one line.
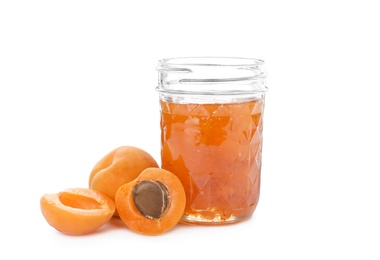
[[77, 80]]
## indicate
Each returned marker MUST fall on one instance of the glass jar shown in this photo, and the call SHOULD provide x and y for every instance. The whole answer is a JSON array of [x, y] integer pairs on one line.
[[211, 134]]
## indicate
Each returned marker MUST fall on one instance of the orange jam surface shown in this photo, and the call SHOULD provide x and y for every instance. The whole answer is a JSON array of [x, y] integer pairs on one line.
[[215, 150]]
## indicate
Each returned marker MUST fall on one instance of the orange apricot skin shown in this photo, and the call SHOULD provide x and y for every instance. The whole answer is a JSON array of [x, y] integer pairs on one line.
[[118, 167], [77, 211], [134, 220]]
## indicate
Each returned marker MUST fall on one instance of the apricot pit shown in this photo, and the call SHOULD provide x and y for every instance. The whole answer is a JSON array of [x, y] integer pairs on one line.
[[151, 198]]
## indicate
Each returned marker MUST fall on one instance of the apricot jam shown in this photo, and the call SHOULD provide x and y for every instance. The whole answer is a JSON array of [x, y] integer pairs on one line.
[[211, 134], [215, 150]]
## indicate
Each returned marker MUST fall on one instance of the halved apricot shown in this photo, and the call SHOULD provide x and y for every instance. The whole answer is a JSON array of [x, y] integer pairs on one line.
[[153, 203], [118, 167], [77, 211]]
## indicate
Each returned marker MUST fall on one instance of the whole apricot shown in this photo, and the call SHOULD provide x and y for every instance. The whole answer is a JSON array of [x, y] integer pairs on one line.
[[118, 167], [77, 211]]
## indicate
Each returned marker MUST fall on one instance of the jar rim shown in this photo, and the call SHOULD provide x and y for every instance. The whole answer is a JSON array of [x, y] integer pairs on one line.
[[210, 76], [211, 61]]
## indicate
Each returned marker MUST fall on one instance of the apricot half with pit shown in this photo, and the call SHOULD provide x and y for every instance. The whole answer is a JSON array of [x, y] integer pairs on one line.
[[153, 203], [77, 211], [118, 167]]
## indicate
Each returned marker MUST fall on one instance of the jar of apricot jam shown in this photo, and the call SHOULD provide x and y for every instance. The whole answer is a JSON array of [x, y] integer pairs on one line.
[[211, 134]]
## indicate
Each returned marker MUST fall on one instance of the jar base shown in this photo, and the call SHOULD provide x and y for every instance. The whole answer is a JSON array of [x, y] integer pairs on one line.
[[217, 220]]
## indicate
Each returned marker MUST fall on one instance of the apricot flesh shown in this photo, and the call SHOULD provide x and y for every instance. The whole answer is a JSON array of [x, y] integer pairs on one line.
[[153, 203], [77, 211], [118, 167]]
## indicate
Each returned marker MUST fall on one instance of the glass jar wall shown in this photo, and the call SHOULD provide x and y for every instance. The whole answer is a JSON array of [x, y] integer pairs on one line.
[[211, 134]]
